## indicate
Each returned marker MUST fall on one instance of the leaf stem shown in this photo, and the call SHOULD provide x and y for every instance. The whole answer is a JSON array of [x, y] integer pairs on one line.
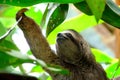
[[22, 69]]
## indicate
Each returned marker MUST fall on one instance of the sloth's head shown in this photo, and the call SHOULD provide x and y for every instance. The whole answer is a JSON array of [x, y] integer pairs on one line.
[[71, 47]]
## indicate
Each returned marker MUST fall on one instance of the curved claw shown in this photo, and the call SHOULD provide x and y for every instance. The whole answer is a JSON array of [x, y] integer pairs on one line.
[[20, 13]]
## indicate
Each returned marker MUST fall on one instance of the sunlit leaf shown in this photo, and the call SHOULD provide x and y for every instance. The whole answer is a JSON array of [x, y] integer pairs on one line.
[[101, 57], [9, 31], [35, 14], [7, 22], [9, 11], [49, 78], [7, 17], [111, 70], [77, 23], [97, 7], [29, 52], [37, 69]]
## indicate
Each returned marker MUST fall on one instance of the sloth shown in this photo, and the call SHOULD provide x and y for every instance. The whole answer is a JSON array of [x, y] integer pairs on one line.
[[72, 48], [75, 55], [73, 52]]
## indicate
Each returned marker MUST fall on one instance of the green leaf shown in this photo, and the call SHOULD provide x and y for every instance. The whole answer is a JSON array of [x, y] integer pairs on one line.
[[37, 69], [8, 33], [8, 60], [17, 54], [35, 14], [77, 23], [7, 22], [9, 11], [33, 2], [101, 57], [97, 7], [2, 29], [29, 52], [57, 17], [44, 20], [110, 14], [42, 63], [8, 44], [8, 15], [10, 57], [58, 70], [53, 68], [111, 70], [49, 78], [83, 6]]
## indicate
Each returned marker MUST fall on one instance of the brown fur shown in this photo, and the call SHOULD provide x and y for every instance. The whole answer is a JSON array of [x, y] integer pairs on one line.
[[80, 62], [73, 52]]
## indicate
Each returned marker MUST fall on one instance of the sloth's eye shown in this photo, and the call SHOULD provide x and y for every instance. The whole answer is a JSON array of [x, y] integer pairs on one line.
[[68, 34]]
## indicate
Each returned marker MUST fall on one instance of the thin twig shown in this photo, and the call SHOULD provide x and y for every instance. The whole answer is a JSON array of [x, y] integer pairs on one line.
[[10, 30], [22, 69]]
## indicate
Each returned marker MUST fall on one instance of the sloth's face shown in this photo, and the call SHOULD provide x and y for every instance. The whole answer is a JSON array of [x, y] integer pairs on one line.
[[67, 36], [67, 45]]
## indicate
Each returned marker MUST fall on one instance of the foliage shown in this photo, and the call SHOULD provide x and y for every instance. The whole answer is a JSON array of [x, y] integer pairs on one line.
[[53, 18], [31, 2], [110, 13], [96, 6]]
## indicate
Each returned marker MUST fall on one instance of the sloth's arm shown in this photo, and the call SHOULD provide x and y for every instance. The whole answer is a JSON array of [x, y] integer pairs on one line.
[[37, 42]]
